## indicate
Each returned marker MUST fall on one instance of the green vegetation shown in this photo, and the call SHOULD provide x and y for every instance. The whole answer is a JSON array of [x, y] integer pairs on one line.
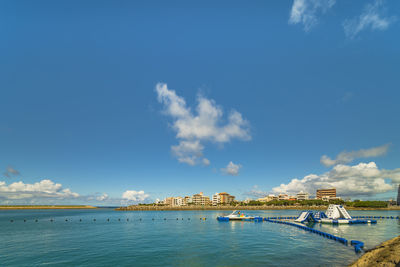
[[368, 204]]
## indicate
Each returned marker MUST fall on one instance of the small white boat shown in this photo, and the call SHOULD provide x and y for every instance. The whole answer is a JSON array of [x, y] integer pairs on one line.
[[235, 216]]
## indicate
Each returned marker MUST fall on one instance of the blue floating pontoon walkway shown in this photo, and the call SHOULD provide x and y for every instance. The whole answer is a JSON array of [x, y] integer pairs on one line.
[[358, 245], [377, 217]]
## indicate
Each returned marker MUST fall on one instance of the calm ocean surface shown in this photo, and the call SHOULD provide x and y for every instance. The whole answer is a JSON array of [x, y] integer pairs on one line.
[[142, 241]]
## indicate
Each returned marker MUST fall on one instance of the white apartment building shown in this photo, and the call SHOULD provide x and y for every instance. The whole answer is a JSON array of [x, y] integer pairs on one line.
[[200, 199], [178, 201], [302, 196], [216, 199]]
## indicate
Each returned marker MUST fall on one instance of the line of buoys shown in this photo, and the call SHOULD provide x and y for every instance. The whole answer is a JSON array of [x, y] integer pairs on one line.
[[119, 219], [282, 218]]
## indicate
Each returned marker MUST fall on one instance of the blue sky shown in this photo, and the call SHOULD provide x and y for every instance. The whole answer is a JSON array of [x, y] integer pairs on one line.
[[80, 107]]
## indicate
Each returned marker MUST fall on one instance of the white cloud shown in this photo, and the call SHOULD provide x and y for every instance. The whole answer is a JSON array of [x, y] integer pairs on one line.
[[306, 12], [364, 179], [205, 125], [42, 189], [11, 171], [206, 161], [372, 17], [103, 197], [231, 169], [135, 196], [347, 157]]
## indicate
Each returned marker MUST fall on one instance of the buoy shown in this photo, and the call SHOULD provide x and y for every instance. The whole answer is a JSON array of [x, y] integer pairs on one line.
[[80, 220], [119, 219], [51, 220], [24, 220], [94, 220], [108, 220], [66, 220]]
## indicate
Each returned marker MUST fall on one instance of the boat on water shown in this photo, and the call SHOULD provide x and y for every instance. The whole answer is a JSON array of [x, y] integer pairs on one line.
[[235, 216]]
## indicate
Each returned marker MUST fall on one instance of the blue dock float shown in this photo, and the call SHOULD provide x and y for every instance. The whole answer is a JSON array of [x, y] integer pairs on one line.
[[358, 245]]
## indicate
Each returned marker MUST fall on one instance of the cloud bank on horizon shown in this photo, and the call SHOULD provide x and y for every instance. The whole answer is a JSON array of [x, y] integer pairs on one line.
[[43, 189], [363, 179], [193, 130], [48, 192]]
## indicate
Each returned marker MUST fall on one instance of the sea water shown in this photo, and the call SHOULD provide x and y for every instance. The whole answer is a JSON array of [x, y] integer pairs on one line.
[[105, 237]]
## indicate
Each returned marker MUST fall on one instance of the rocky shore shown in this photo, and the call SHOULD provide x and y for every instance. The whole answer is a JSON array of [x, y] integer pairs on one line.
[[386, 254]]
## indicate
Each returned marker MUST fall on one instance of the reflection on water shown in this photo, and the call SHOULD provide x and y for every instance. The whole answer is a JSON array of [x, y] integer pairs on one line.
[[178, 238]]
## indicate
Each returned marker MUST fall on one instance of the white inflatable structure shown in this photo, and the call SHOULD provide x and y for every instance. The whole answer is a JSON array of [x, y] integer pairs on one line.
[[337, 212]]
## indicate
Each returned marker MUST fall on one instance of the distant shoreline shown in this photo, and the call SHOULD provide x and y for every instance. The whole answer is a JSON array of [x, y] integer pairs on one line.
[[155, 208], [37, 207]]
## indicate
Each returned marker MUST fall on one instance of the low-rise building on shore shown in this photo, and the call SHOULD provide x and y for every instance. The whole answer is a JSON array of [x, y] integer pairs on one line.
[[200, 199], [303, 196], [222, 198]]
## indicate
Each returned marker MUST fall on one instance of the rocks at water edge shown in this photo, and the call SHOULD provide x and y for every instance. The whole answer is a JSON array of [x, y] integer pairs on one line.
[[386, 254]]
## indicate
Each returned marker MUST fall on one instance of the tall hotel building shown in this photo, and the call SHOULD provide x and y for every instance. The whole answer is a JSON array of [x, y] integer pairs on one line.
[[329, 193]]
